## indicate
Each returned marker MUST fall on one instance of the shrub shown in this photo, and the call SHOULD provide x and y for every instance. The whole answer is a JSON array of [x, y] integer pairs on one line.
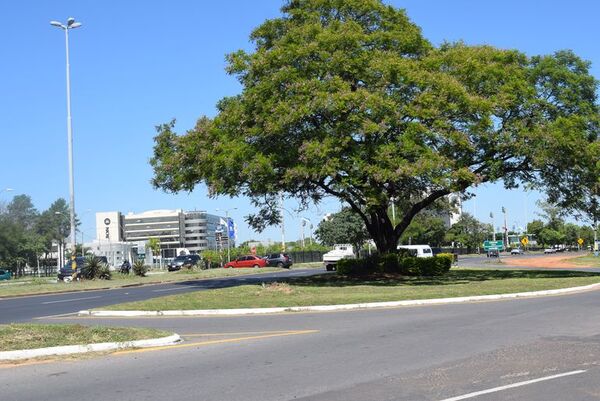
[[351, 267], [388, 263], [450, 257], [435, 266], [91, 267], [139, 268], [396, 263], [104, 272]]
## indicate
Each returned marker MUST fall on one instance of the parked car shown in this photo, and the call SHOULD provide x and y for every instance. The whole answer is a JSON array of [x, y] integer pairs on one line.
[[279, 260], [66, 272], [4, 274], [549, 250], [183, 260], [247, 261], [516, 251]]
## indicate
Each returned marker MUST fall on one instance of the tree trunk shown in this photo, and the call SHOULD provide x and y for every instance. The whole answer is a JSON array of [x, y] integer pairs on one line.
[[382, 232]]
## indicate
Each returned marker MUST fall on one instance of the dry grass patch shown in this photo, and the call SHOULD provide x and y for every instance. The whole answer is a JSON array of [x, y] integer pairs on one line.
[[275, 288]]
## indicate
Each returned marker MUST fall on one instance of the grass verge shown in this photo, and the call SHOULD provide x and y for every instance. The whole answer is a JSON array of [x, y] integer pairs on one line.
[[336, 290], [42, 285], [28, 336]]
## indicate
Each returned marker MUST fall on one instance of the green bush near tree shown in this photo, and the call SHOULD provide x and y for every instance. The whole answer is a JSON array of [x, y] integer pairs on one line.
[[396, 263]]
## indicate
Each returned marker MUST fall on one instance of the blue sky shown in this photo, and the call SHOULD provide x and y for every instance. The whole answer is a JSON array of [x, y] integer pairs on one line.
[[136, 64]]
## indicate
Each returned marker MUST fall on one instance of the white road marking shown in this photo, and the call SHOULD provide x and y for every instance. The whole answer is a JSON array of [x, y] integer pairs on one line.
[[509, 386], [170, 289], [69, 300]]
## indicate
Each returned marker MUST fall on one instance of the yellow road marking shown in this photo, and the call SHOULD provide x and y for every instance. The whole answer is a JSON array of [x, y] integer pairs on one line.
[[240, 333], [223, 341]]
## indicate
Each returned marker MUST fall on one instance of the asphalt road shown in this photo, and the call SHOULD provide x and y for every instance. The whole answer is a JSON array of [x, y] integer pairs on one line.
[[22, 309], [543, 348]]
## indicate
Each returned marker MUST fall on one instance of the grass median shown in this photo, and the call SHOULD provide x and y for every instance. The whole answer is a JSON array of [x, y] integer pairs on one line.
[[42, 285], [336, 290], [28, 336]]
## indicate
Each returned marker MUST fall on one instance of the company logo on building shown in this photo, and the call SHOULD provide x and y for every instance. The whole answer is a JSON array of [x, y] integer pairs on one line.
[[107, 232]]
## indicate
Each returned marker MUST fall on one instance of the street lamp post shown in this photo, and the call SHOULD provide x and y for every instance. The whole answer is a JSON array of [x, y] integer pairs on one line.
[[227, 230], [71, 24]]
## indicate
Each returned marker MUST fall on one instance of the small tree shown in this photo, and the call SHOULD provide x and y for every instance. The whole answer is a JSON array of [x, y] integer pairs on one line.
[[344, 227], [154, 245]]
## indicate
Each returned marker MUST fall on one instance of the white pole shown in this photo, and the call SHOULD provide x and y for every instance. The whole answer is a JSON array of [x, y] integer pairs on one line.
[[70, 149]]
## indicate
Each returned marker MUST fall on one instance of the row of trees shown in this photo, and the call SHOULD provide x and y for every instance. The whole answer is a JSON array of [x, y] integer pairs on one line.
[[26, 235], [428, 228]]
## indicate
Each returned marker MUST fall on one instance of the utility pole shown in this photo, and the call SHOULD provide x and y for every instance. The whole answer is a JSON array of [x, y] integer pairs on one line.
[[493, 227]]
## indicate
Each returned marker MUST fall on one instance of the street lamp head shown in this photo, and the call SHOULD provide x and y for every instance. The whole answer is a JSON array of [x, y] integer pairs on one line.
[[57, 24], [70, 21], [75, 25]]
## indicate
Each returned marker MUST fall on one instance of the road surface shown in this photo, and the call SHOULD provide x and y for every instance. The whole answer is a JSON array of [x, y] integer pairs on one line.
[[542, 349]]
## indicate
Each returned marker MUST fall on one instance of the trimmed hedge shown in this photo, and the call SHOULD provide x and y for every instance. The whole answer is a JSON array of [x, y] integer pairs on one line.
[[396, 263]]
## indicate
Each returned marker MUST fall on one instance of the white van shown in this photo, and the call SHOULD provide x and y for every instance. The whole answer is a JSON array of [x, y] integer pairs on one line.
[[420, 251]]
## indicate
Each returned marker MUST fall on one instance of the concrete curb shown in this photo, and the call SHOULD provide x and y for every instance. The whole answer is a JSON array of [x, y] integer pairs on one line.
[[79, 349], [324, 308]]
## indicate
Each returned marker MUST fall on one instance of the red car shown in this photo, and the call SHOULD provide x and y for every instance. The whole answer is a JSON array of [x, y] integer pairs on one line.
[[247, 261]]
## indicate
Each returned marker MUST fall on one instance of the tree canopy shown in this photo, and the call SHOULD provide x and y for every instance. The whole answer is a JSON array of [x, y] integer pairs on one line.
[[346, 98]]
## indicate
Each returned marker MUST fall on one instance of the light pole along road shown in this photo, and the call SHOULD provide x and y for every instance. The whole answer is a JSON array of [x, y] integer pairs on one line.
[[71, 24]]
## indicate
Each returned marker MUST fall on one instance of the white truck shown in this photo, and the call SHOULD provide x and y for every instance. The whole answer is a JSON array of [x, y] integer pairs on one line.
[[339, 252]]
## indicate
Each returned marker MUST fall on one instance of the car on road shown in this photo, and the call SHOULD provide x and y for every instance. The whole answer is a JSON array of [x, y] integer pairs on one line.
[[279, 260], [516, 251], [549, 250], [247, 261], [183, 261], [4, 274], [493, 253]]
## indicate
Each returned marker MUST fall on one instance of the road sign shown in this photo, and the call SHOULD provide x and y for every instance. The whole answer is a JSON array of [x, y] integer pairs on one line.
[[580, 241], [524, 241], [493, 245]]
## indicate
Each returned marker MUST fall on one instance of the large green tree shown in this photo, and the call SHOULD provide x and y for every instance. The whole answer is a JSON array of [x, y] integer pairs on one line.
[[346, 98]]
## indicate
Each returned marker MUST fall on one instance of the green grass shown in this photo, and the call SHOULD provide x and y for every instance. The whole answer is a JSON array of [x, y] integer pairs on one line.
[[588, 260], [28, 336], [42, 285], [333, 289]]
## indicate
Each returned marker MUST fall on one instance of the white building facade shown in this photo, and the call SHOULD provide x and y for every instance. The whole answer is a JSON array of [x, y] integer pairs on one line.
[[178, 231]]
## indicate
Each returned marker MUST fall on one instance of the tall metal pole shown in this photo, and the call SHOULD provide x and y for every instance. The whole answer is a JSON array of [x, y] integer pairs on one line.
[[71, 24], [70, 145]]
